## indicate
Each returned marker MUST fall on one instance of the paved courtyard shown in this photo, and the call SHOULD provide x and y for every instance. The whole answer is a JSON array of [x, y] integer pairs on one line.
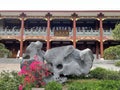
[[14, 64], [107, 64], [9, 64]]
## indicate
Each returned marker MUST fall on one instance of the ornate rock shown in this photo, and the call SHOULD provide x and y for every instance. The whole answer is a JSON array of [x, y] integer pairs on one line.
[[63, 61], [67, 60], [33, 49]]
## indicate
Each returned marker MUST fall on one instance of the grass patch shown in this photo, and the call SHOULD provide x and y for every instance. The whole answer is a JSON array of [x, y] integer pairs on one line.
[[92, 84], [117, 63]]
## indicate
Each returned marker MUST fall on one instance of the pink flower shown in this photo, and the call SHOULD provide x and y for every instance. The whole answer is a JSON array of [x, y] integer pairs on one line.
[[20, 87], [27, 79], [42, 83], [36, 65], [35, 72], [23, 71]]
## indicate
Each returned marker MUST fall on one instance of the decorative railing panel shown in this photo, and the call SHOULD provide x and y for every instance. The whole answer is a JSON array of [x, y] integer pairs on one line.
[[107, 33], [10, 32], [87, 33], [32, 32], [61, 32], [35, 32]]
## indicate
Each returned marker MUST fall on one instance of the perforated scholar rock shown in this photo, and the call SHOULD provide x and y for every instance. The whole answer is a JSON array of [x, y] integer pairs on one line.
[[66, 60]]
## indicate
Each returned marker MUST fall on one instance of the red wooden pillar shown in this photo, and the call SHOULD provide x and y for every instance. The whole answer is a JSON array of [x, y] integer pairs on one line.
[[97, 50], [74, 16], [22, 17], [48, 16], [100, 16]]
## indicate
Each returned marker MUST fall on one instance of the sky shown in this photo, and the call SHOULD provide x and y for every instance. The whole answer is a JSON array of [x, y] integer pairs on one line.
[[59, 4]]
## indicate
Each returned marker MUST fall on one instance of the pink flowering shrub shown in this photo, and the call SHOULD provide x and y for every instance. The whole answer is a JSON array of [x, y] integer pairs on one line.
[[34, 73]]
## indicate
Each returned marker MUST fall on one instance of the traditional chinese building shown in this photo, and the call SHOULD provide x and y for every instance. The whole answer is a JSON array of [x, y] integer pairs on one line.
[[82, 29]]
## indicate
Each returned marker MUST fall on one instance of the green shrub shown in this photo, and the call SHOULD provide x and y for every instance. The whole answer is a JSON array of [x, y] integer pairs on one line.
[[117, 63], [117, 51], [101, 73], [112, 53], [112, 75], [28, 87], [4, 52], [98, 73], [116, 32], [53, 86], [9, 80]]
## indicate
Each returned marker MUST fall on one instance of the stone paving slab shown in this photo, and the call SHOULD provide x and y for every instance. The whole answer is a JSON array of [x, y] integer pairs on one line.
[[107, 64], [9, 64], [10, 60], [9, 67]]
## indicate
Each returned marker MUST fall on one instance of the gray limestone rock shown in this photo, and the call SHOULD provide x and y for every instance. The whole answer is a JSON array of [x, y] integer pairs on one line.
[[67, 60], [62, 61], [33, 49]]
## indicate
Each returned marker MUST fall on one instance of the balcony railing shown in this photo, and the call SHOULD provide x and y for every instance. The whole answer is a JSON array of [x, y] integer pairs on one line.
[[42, 32], [87, 32], [107, 32], [35, 32], [10, 32], [93, 32]]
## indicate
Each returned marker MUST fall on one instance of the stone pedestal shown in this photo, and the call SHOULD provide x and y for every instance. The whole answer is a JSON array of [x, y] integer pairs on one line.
[[38, 89]]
